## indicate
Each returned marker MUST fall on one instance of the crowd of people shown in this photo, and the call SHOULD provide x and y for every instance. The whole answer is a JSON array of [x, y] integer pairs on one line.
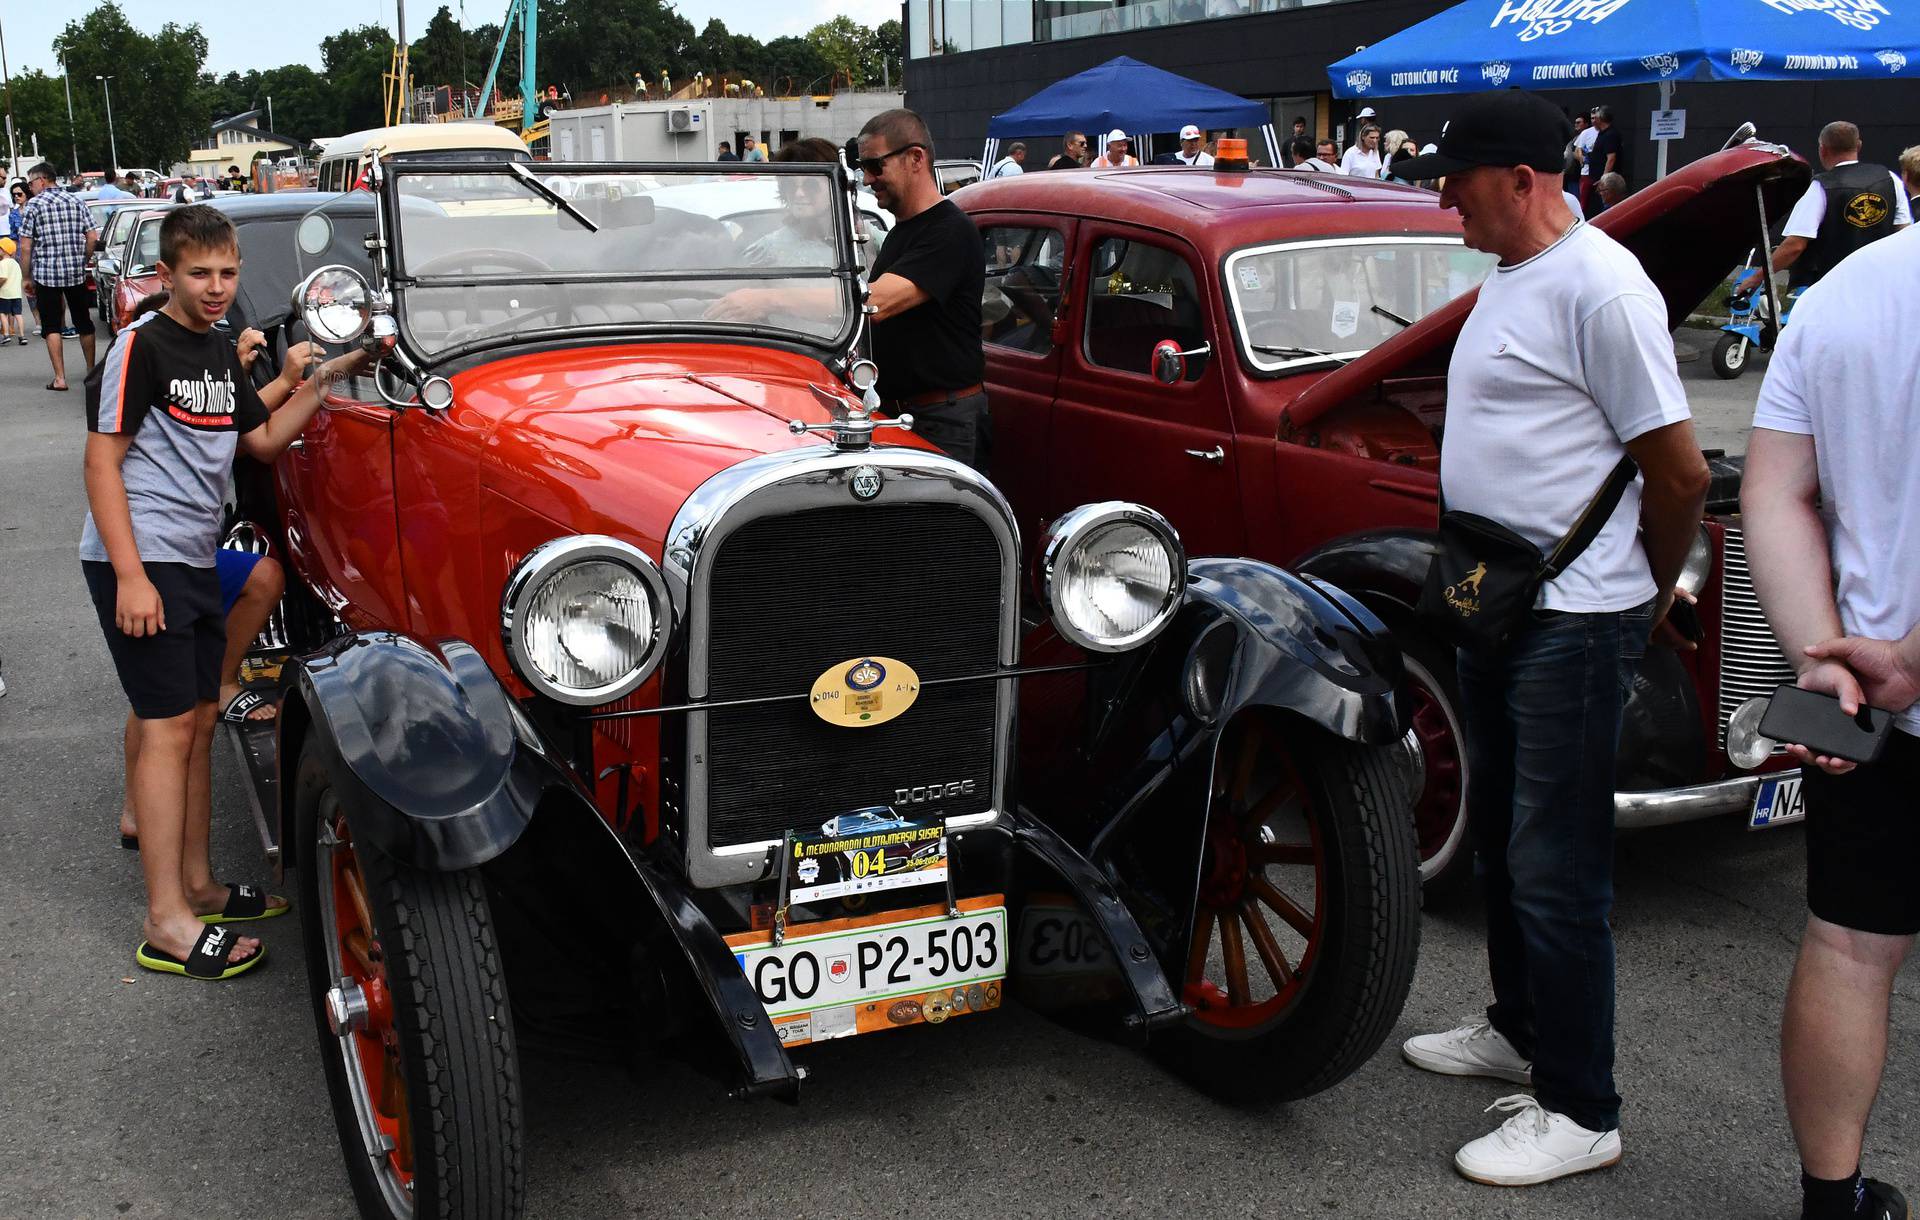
[[1567, 427]]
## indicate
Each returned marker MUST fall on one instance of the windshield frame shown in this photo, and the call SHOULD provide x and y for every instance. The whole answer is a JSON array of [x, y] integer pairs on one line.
[[846, 272], [1277, 366]]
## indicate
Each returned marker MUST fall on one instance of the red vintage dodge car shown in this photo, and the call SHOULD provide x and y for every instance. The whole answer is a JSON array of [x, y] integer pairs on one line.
[[645, 694], [1262, 357]]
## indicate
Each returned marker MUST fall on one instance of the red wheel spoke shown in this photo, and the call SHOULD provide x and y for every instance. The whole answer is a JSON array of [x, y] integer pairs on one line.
[[1235, 954], [1197, 951], [356, 943], [1281, 853], [1282, 905], [357, 891], [1269, 949]]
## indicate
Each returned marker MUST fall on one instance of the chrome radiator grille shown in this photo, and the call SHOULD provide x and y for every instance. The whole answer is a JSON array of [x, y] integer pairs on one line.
[[791, 596], [1751, 663]]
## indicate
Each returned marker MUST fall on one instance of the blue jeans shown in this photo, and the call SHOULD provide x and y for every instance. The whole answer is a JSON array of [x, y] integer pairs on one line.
[[1542, 720]]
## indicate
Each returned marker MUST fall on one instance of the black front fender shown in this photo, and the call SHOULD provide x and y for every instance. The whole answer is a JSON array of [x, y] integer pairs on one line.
[[1381, 567], [1134, 798], [444, 772]]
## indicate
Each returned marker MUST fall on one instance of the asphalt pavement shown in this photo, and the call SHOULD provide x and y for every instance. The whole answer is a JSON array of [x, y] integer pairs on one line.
[[125, 1093]]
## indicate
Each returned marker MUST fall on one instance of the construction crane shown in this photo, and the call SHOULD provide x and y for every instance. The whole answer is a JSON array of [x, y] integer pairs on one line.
[[397, 81], [528, 11]]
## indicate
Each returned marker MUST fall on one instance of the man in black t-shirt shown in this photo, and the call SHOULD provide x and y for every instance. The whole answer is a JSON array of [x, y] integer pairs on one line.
[[924, 293], [1608, 155]]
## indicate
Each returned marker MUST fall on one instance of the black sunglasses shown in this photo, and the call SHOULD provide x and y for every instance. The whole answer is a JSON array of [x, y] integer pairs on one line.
[[875, 165]]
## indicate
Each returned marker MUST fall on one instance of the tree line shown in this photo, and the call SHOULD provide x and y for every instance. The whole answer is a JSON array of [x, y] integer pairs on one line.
[[164, 101]]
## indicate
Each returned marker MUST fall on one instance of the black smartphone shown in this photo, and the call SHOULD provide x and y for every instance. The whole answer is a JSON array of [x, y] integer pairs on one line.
[[1811, 719]]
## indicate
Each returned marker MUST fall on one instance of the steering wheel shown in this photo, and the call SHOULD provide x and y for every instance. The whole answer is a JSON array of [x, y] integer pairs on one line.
[[457, 261]]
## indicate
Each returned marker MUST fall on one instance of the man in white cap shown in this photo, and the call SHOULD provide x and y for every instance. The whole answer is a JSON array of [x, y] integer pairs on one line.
[[1192, 151], [1116, 154]]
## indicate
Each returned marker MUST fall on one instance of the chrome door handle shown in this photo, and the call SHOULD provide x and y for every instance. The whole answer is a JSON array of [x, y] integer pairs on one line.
[[1216, 455], [300, 442]]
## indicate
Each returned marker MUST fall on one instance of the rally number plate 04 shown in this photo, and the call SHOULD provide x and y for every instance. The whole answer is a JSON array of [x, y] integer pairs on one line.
[[841, 977], [1778, 803]]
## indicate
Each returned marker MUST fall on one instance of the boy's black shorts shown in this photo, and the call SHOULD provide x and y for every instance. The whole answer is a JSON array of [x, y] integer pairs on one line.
[[55, 303], [1863, 837], [166, 674]]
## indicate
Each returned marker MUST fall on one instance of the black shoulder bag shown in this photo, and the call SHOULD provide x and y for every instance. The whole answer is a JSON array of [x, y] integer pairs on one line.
[[1485, 578]]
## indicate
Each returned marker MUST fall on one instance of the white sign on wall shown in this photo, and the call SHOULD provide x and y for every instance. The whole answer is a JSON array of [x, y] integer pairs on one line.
[[1669, 125]]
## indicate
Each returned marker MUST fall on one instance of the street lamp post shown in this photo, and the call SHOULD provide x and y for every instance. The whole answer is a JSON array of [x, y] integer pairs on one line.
[[113, 146]]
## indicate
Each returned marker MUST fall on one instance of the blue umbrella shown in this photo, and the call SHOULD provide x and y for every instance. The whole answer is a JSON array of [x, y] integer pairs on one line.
[[1130, 96], [1550, 44], [1561, 44]]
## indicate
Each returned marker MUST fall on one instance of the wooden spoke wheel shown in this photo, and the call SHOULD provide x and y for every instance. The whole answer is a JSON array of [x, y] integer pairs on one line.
[[1307, 915], [1439, 763], [416, 1034]]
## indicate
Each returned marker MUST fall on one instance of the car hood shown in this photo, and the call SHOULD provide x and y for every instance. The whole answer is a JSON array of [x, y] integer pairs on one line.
[[1687, 230], [616, 438]]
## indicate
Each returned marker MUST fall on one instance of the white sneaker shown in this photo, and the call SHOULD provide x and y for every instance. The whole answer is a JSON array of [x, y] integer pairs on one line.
[[1535, 1145], [1477, 1049]]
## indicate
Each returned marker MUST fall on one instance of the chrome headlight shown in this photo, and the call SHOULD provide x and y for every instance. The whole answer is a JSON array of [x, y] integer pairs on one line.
[[1698, 565], [1746, 748], [586, 619], [1113, 574]]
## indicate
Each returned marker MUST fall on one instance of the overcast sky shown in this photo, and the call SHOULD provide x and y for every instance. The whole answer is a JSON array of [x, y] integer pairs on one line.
[[240, 36]]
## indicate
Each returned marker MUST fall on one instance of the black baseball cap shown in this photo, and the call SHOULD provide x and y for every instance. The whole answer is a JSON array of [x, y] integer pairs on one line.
[[1510, 127]]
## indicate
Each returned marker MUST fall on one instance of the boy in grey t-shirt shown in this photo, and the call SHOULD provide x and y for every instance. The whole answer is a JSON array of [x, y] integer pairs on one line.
[[167, 409]]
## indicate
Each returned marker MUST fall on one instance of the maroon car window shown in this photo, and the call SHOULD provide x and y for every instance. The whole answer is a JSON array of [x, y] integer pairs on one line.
[[1023, 286], [1138, 295]]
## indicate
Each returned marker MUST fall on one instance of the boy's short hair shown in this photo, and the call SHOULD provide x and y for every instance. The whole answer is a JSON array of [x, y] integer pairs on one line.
[[150, 303], [198, 226]]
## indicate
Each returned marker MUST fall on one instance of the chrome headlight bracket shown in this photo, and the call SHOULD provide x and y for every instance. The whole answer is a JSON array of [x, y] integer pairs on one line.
[[548, 560], [1071, 531]]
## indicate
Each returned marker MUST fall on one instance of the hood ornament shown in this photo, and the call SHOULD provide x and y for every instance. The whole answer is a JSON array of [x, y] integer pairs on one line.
[[853, 424]]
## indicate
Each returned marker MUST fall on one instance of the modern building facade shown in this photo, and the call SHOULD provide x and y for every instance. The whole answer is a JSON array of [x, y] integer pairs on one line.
[[970, 59]]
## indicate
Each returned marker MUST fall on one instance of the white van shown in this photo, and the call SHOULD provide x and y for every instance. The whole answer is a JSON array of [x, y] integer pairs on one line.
[[344, 161]]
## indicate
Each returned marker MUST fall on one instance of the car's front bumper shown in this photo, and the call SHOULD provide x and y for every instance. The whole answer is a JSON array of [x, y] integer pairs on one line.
[[1671, 806]]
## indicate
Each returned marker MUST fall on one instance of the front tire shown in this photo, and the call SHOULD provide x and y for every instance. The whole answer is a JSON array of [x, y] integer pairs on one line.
[[1729, 357], [1308, 922], [416, 1034]]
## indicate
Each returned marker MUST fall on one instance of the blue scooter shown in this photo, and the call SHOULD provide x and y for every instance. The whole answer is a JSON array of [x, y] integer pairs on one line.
[[1749, 325]]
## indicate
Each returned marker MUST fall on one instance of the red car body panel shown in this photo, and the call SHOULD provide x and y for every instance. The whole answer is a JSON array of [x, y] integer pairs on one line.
[[414, 520]]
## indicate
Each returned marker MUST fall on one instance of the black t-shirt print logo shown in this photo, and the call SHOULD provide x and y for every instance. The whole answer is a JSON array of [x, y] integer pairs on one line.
[[203, 403]]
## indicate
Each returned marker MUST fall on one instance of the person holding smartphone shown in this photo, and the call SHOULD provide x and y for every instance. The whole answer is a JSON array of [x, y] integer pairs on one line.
[[1832, 523]]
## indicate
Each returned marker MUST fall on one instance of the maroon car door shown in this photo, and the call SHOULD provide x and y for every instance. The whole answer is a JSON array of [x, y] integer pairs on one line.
[[337, 488], [1024, 330], [1116, 432]]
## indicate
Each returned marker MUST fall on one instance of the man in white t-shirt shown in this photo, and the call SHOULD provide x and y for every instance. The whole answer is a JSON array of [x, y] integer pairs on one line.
[[1847, 205], [1831, 516], [1013, 164], [1564, 366], [1583, 143], [1363, 159]]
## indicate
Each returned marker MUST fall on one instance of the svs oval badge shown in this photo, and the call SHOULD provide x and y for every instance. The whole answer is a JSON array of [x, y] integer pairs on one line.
[[864, 691]]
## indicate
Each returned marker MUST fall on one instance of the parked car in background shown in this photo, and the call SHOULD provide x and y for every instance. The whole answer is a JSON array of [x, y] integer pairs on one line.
[[136, 272], [110, 258], [1262, 357], [606, 615], [952, 174]]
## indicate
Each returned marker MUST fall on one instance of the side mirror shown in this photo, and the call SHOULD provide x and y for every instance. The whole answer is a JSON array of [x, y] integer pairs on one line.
[[1170, 363], [335, 303], [106, 265]]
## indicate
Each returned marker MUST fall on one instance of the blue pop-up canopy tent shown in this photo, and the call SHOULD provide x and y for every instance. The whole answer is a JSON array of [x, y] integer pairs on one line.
[[1557, 44], [1131, 96]]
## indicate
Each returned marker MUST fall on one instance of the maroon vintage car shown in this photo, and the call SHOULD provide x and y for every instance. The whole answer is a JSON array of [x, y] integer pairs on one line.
[[1262, 356]]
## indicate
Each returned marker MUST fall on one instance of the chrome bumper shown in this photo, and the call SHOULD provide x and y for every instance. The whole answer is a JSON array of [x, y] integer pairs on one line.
[[1671, 806]]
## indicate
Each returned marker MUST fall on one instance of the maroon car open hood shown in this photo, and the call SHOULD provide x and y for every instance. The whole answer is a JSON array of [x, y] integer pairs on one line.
[[1688, 230]]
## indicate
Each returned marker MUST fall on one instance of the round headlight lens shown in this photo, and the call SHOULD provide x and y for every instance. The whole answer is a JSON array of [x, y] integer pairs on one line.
[[1115, 573], [1698, 565], [1746, 748], [586, 619]]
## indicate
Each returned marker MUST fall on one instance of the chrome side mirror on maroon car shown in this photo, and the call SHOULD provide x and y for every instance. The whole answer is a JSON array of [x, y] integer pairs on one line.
[[1170, 363], [335, 303]]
